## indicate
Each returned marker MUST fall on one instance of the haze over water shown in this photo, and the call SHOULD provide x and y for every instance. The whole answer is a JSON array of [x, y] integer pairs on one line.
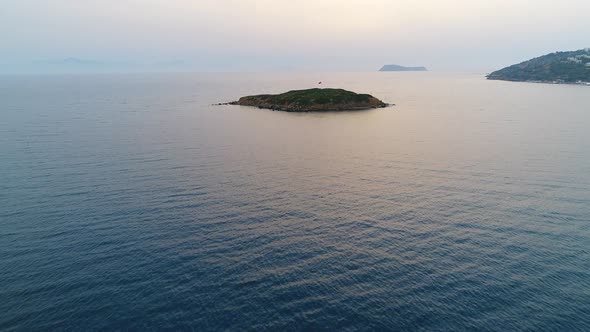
[[129, 202]]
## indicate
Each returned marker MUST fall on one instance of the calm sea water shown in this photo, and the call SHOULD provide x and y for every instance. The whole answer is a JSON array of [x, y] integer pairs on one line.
[[129, 202]]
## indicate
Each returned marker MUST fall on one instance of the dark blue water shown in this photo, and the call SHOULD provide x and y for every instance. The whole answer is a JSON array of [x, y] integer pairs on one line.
[[129, 203]]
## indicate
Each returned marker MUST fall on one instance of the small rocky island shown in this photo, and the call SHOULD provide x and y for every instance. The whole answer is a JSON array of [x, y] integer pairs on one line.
[[313, 100], [401, 68], [560, 67]]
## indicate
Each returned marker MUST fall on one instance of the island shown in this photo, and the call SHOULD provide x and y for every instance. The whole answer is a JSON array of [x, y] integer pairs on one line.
[[401, 68], [313, 100], [560, 67]]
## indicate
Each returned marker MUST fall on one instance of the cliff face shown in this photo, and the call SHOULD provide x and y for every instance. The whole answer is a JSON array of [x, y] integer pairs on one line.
[[401, 68], [313, 100], [559, 67]]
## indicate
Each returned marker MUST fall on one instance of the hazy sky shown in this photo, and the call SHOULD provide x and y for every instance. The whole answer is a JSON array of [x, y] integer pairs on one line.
[[286, 34]]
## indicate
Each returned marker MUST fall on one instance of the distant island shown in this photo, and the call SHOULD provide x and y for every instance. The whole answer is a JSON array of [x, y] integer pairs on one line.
[[559, 67], [313, 100], [401, 68]]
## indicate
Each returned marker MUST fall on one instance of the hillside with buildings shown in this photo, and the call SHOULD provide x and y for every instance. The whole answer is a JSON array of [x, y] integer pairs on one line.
[[559, 67]]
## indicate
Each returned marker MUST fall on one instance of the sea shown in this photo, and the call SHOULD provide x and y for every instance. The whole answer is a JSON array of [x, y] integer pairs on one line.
[[130, 202]]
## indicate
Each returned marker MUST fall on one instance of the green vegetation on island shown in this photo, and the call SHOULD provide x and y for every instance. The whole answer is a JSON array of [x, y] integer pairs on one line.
[[313, 100], [559, 67]]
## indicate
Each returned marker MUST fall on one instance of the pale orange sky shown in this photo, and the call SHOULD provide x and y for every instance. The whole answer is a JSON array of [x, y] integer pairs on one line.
[[250, 34]]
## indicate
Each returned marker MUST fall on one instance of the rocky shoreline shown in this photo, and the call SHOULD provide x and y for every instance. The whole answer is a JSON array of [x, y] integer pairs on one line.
[[312, 100], [541, 82]]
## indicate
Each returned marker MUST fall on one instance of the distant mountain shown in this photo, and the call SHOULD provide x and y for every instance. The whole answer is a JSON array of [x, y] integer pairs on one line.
[[72, 62], [401, 68], [559, 67], [83, 65]]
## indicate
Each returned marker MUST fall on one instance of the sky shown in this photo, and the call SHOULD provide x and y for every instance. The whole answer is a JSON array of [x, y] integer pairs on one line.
[[253, 35]]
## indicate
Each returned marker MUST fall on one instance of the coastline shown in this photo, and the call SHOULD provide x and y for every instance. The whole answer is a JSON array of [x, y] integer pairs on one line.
[[542, 82]]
